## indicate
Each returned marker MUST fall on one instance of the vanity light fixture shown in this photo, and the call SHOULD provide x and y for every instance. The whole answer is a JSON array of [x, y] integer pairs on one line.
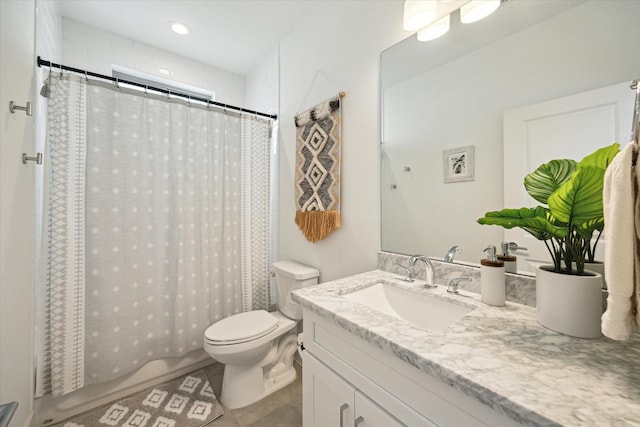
[[435, 30], [179, 28], [476, 10], [418, 14], [432, 18]]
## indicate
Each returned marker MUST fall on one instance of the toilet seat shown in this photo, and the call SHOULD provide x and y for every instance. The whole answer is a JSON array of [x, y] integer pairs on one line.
[[241, 327]]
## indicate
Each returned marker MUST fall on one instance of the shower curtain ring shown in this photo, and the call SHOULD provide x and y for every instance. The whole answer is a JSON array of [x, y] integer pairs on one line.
[[86, 77], [146, 90], [117, 84]]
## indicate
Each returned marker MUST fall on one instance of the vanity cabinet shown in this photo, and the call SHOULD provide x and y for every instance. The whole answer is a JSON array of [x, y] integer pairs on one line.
[[329, 400], [348, 381]]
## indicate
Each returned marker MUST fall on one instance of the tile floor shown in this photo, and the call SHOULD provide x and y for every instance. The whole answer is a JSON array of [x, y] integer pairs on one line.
[[281, 409]]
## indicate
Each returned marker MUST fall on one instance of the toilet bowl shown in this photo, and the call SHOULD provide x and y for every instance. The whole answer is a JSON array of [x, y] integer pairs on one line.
[[257, 347]]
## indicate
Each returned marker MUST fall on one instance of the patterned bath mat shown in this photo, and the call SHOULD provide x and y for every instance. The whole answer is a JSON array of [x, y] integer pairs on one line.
[[188, 401]]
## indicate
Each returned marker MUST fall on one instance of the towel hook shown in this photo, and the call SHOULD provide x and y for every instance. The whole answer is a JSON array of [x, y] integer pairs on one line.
[[37, 158], [13, 107]]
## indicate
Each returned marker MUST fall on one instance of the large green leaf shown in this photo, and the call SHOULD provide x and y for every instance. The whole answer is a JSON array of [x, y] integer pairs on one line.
[[579, 200], [586, 229], [601, 158], [542, 182], [537, 221]]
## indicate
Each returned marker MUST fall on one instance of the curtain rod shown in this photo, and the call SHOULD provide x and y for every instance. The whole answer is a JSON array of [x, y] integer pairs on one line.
[[42, 62]]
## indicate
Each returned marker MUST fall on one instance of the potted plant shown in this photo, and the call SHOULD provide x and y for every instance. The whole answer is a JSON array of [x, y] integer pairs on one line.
[[568, 297]]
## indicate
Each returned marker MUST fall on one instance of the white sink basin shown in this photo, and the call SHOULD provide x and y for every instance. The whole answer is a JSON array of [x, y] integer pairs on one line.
[[433, 314]]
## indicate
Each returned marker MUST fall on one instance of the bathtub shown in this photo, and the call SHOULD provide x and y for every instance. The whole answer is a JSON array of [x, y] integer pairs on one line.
[[50, 410]]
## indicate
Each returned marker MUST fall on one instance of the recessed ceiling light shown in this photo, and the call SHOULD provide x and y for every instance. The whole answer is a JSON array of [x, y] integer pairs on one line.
[[179, 28]]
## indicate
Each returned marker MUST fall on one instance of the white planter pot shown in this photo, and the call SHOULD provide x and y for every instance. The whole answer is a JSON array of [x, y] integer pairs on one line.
[[597, 267], [568, 304]]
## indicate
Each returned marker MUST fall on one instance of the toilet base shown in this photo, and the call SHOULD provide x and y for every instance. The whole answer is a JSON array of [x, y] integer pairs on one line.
[[242, 386], [238, 392]]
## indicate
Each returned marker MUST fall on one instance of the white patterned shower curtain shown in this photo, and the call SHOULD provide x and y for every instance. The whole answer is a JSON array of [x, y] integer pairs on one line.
[[177, 226], [62, 321]]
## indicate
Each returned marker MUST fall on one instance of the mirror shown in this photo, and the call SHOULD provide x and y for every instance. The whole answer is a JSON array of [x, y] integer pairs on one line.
[[441, 96]]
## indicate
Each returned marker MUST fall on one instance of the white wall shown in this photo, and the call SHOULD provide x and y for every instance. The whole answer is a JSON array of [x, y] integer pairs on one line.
[[17, 233], [261, 85], [94, 49], [342, 40], [48, 30]]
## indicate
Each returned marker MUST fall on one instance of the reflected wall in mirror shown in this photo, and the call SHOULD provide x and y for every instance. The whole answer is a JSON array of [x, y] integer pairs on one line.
[[454, 92]]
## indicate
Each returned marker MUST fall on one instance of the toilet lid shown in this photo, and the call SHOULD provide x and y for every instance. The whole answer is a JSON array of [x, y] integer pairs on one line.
[[241, 327]]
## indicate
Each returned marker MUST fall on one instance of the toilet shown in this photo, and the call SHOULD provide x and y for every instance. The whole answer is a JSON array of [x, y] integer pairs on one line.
[[257, 347]]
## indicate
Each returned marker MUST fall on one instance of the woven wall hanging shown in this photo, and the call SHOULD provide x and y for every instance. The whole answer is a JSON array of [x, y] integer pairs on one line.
[[317, 180]]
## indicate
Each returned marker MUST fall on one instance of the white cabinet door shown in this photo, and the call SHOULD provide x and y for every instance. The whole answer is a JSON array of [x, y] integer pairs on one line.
[[570, 128], [330, 401], [327, 399], [369, 414]]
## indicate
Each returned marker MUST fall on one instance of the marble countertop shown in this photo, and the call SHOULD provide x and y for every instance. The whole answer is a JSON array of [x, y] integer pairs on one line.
[[499, 355]]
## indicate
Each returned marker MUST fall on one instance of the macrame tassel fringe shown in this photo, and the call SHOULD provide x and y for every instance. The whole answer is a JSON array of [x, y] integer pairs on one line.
[[316, 225]]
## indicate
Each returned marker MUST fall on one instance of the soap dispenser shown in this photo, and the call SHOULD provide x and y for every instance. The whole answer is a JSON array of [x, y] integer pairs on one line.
[[510, 261], [492, 287]]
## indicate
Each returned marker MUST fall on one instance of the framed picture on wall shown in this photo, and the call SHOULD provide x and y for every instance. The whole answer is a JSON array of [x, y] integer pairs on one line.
[[458, 164]]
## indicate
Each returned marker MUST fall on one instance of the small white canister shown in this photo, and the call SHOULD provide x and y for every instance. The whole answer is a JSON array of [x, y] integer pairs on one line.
[[492, 288], [510, 263]]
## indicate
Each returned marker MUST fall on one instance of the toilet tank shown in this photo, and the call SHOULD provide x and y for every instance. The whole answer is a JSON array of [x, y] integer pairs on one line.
[[290, 276]]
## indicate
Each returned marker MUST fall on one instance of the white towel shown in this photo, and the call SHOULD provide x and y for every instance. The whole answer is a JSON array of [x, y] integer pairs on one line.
[[636, 290], [619, 256]]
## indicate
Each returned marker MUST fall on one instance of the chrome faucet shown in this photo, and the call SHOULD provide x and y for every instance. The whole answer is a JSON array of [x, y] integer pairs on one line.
[[511, 246], [452, 287], [429, 271], [408, 274], [448, 257]]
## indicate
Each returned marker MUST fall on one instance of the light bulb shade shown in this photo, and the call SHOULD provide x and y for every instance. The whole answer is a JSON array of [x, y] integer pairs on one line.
[[418, 14], [475, 10], [435, 30]]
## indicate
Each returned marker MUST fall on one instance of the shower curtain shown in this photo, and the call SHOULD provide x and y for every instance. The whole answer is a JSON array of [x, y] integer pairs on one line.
[[176, 228]]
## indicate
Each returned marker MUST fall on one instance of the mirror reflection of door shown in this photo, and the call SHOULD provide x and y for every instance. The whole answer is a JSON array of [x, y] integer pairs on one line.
[[570, 127]]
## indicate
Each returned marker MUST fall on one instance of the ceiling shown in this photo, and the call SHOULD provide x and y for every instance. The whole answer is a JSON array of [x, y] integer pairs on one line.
[[234, 35]]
